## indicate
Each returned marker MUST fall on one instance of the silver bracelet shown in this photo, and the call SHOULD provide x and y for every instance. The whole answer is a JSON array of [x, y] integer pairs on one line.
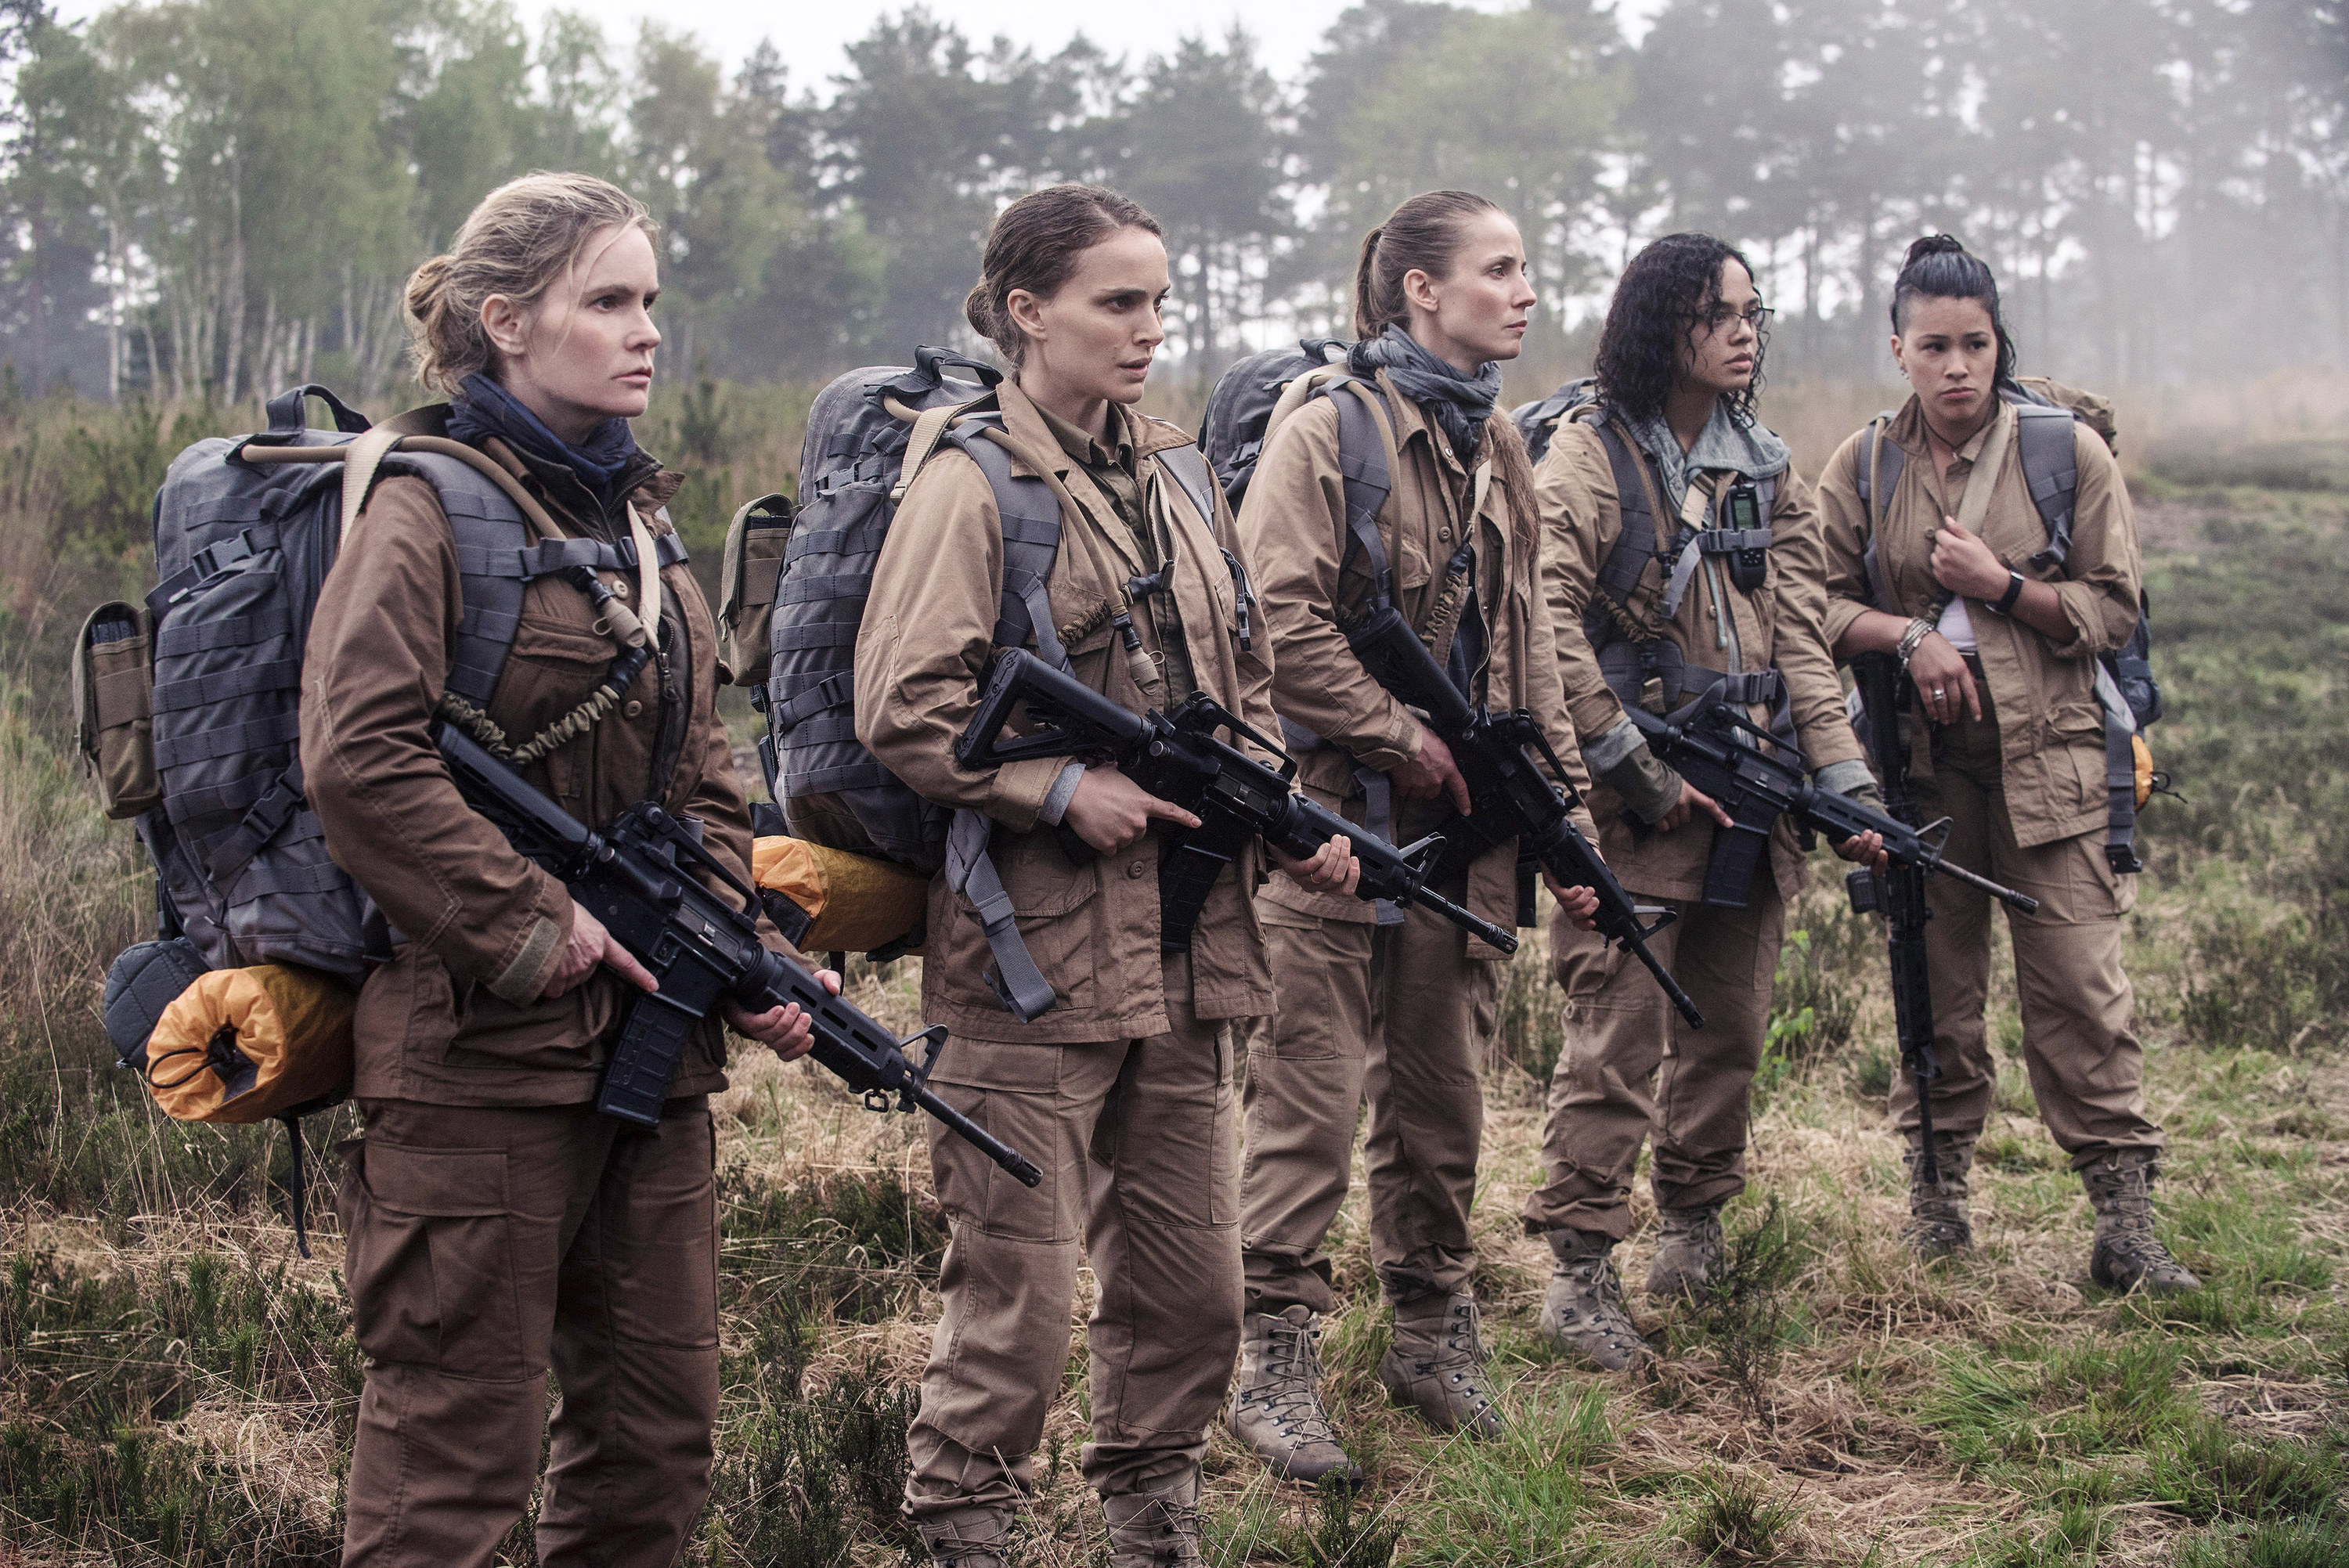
[[1919, 630]]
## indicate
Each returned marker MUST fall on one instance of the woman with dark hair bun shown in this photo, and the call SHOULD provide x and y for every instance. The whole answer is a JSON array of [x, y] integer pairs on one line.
[[1123, 1092], [1949, 569], [1395, 1007], [1681, 542]]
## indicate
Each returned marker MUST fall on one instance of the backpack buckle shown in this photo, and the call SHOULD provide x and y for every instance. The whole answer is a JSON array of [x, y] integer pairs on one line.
[[221, 554]]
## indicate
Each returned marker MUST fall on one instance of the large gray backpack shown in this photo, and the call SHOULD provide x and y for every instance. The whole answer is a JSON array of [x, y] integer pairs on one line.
[[868, 435], [190, 702]]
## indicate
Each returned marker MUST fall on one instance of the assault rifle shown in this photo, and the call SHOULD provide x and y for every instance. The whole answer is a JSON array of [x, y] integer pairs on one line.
[[639, 878], [1704, 743], [1181, 757], [1509, 797], [1900, 897]]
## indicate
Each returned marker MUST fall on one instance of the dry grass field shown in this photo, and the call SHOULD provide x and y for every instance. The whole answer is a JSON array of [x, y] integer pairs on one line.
[[176, 1386]]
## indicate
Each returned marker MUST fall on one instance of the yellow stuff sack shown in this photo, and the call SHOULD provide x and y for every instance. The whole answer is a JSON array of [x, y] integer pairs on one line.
[[855, 903], [245, 1045], [2142, 757]]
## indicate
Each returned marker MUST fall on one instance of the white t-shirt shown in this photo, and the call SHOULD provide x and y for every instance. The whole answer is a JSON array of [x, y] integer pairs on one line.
[[1958, 627]]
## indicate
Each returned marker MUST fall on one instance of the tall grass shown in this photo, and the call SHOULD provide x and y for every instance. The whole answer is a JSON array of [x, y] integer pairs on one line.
[[175, 1386]]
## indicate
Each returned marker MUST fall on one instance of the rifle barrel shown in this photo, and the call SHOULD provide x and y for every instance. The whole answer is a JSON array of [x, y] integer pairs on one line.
[[1475, 926]]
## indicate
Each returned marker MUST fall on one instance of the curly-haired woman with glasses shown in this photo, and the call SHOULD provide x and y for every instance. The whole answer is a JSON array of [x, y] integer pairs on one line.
[[1680, 552]]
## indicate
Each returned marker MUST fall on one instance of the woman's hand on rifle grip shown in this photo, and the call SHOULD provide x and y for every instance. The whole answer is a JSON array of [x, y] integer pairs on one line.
[[1692, 801], [1431, 773], [1111, 812], [587, 945]]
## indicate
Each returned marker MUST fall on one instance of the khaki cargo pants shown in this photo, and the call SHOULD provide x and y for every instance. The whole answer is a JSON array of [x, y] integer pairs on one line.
[[2087, 1070], [1399, 1013], [486, 1245], [1138, 1143], [1622, 1033]]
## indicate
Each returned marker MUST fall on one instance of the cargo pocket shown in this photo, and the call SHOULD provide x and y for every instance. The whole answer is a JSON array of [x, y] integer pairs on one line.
[[752, 566], [113, 687], [1050, 897], [431, 1261]]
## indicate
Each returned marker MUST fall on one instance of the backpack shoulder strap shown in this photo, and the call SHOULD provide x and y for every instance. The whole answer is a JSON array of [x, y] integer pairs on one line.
[[1619, 573], [1362, 445], [1188, 467], [1877, 472], [1030, 515], [2051, 466]]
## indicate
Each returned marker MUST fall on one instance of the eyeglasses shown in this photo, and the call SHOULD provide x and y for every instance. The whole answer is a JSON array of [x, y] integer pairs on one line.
[[1720, 316]]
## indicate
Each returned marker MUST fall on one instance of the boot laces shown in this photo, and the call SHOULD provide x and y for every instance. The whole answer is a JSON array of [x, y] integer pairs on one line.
[[1288, 1393], [1607, 1313]]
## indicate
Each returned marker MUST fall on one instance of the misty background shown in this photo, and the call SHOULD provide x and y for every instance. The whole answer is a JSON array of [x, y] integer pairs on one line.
[[216, 197]]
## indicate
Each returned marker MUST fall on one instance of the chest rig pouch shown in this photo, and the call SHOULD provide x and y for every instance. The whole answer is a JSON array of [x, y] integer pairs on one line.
[[1656, 672]]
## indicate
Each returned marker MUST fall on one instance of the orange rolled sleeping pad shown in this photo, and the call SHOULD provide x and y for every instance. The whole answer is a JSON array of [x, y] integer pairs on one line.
[[245, 1045], [854, 902]]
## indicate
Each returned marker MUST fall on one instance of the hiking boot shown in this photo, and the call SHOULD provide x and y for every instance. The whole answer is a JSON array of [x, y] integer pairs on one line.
[[1937, 1222], [1277, 1408], [1436, 1366], [2127, 1256], [967, 1538], [1687, 1252], [1583, 1311], [1154, 1528]]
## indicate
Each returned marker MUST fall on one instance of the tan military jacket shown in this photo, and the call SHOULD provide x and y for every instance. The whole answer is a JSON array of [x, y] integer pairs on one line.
[[454, 1018], [1093, 929], [1778, 625], [2051, 728], [1294, 521]]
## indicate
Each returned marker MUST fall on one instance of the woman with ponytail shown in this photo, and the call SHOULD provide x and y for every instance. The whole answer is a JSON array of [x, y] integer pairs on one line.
[[1395, 1005], [1639, 493], [497, 1225], [1123, 1091], [1937, 555]]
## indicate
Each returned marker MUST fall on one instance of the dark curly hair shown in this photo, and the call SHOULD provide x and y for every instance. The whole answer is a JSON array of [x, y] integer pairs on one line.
[[1938, 267], [1659, 304]]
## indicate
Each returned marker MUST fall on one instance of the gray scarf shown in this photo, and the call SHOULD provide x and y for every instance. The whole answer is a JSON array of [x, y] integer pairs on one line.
[[1749, 449], [1458, 404]]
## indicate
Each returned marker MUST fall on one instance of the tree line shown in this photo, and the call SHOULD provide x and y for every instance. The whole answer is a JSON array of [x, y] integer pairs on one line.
[[210, 197]]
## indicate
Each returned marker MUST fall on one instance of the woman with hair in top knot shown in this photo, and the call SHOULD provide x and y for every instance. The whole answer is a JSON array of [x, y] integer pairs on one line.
[[1393, 1007], [1650, 493], [1123, 1091], [2000, 641], [497, 1225]]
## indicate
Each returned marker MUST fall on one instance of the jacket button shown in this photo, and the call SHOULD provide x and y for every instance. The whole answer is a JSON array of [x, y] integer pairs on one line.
[[620, 588], [633, 709], [1444, 534], [1135, 870]]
